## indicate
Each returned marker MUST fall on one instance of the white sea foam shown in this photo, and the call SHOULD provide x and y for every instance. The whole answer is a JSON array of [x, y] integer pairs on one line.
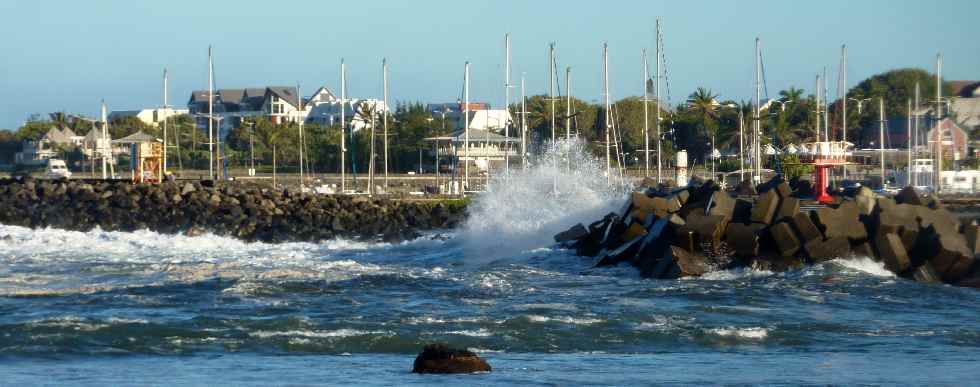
[[482, 332], [752, 333], [865, 265], [339, 333], [734, 274], [564, 319], [523, 210]]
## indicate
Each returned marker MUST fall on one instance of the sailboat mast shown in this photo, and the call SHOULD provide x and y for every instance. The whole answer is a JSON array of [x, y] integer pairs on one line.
[[166, 114], [523, 125], [826, 105], [507, 144], [466, 125], [909, 140], [568, 103], [939, 124], [755, 114], [605, 92], [384, 65], [551, 87], [819, 91], [210, 116], [646, 117], [881, 137], [843, 101], [915, 123], [656, 95], [343, 123], [103, 144], [299, 96]]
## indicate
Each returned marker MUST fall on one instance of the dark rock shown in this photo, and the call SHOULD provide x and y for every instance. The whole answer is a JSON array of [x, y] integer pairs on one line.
[[439, 358], [745, 188], [577, 232], [972, 235], [863, 250], [710, 229]]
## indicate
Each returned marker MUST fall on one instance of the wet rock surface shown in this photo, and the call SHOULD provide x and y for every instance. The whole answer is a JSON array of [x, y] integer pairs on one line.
[[439, 358], [229, 209], [914, 236]]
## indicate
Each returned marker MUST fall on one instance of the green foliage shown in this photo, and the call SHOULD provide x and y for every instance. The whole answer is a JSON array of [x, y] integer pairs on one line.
[[792, 167]]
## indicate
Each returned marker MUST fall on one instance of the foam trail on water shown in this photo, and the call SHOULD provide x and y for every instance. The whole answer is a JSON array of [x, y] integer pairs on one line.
[[523, 210]]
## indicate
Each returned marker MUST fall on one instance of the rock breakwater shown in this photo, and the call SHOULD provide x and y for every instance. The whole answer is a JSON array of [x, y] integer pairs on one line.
[[689, 231], [231, 209]]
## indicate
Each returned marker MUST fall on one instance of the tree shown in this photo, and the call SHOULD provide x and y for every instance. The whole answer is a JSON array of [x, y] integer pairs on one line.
[[896, 87]]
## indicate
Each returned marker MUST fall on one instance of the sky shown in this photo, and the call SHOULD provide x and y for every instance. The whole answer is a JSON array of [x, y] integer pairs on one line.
[[69, 55]]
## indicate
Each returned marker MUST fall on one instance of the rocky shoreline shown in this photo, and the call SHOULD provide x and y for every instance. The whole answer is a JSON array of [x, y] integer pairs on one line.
[[672, 233], [250, 213]]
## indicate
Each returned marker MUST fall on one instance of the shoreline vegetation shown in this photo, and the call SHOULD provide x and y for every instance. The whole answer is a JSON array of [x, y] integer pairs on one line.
[[245, 211]]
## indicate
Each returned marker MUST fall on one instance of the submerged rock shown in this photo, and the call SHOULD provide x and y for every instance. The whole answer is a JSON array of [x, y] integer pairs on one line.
[[439, 358]]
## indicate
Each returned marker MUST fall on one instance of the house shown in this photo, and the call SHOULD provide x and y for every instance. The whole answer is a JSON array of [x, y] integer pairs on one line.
[[37, 152], [356, 111], [279, 104], [954, 139], [481, 115], [153, 116], [487, 150]]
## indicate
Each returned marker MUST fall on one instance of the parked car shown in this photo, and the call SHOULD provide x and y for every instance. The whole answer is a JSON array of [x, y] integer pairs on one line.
[[56, 169]]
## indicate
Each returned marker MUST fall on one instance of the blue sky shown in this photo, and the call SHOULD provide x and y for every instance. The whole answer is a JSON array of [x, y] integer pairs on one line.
[[69, 55]]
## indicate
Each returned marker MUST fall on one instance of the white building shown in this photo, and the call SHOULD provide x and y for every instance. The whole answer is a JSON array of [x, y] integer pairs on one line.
[[357, 112], [153, 116]]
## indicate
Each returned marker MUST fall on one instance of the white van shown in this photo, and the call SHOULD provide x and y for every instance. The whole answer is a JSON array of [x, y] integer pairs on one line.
[[56, 170]]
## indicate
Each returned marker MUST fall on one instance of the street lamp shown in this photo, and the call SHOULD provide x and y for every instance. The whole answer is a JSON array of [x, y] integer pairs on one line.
[[859, 101]]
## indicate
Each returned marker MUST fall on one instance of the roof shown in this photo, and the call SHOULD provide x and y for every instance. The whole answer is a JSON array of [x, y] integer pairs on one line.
[[199, 96], [69, 133], [135, 138], [56, 136], [476, 135], [231, 95], [287, 93], [965, 88], [94, 134]]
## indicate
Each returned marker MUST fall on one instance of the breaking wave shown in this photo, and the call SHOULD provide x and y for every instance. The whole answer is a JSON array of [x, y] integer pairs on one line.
[[524, 209]]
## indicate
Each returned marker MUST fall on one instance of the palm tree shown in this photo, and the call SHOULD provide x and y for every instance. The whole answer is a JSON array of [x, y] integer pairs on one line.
[[791, 94], [368, 112], [704, 104]]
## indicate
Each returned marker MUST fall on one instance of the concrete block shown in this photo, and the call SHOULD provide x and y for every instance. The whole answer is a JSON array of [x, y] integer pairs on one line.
[[908, 196], [950, 256], [633, 231], [687, 239], [682, 196], [865, 199], [786, 241], [892, 252], [885, 204], [943, 220], [574, 233], [972, 235], [720, 204], [641, 200], [819, 251], [783, 190], [742, 212], [765, 207], [623, 253], [805, 226], [744, 239], [678, 263], [710, 229], [863, 250], [788, 208]]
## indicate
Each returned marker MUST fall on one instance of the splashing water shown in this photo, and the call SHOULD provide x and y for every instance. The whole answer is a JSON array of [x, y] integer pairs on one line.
[[523, 210]]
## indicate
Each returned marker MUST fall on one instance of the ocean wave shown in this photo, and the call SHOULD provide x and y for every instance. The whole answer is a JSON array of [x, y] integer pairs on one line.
[[339, 333], [564, 319], [865, 265], [751, 333], [734, 274]]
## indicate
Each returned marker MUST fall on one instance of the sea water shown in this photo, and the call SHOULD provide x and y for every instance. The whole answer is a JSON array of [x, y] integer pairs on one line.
[[141, 308]]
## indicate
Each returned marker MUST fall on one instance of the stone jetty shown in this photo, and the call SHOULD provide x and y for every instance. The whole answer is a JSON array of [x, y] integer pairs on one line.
[[250, 213], [686, 232]]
